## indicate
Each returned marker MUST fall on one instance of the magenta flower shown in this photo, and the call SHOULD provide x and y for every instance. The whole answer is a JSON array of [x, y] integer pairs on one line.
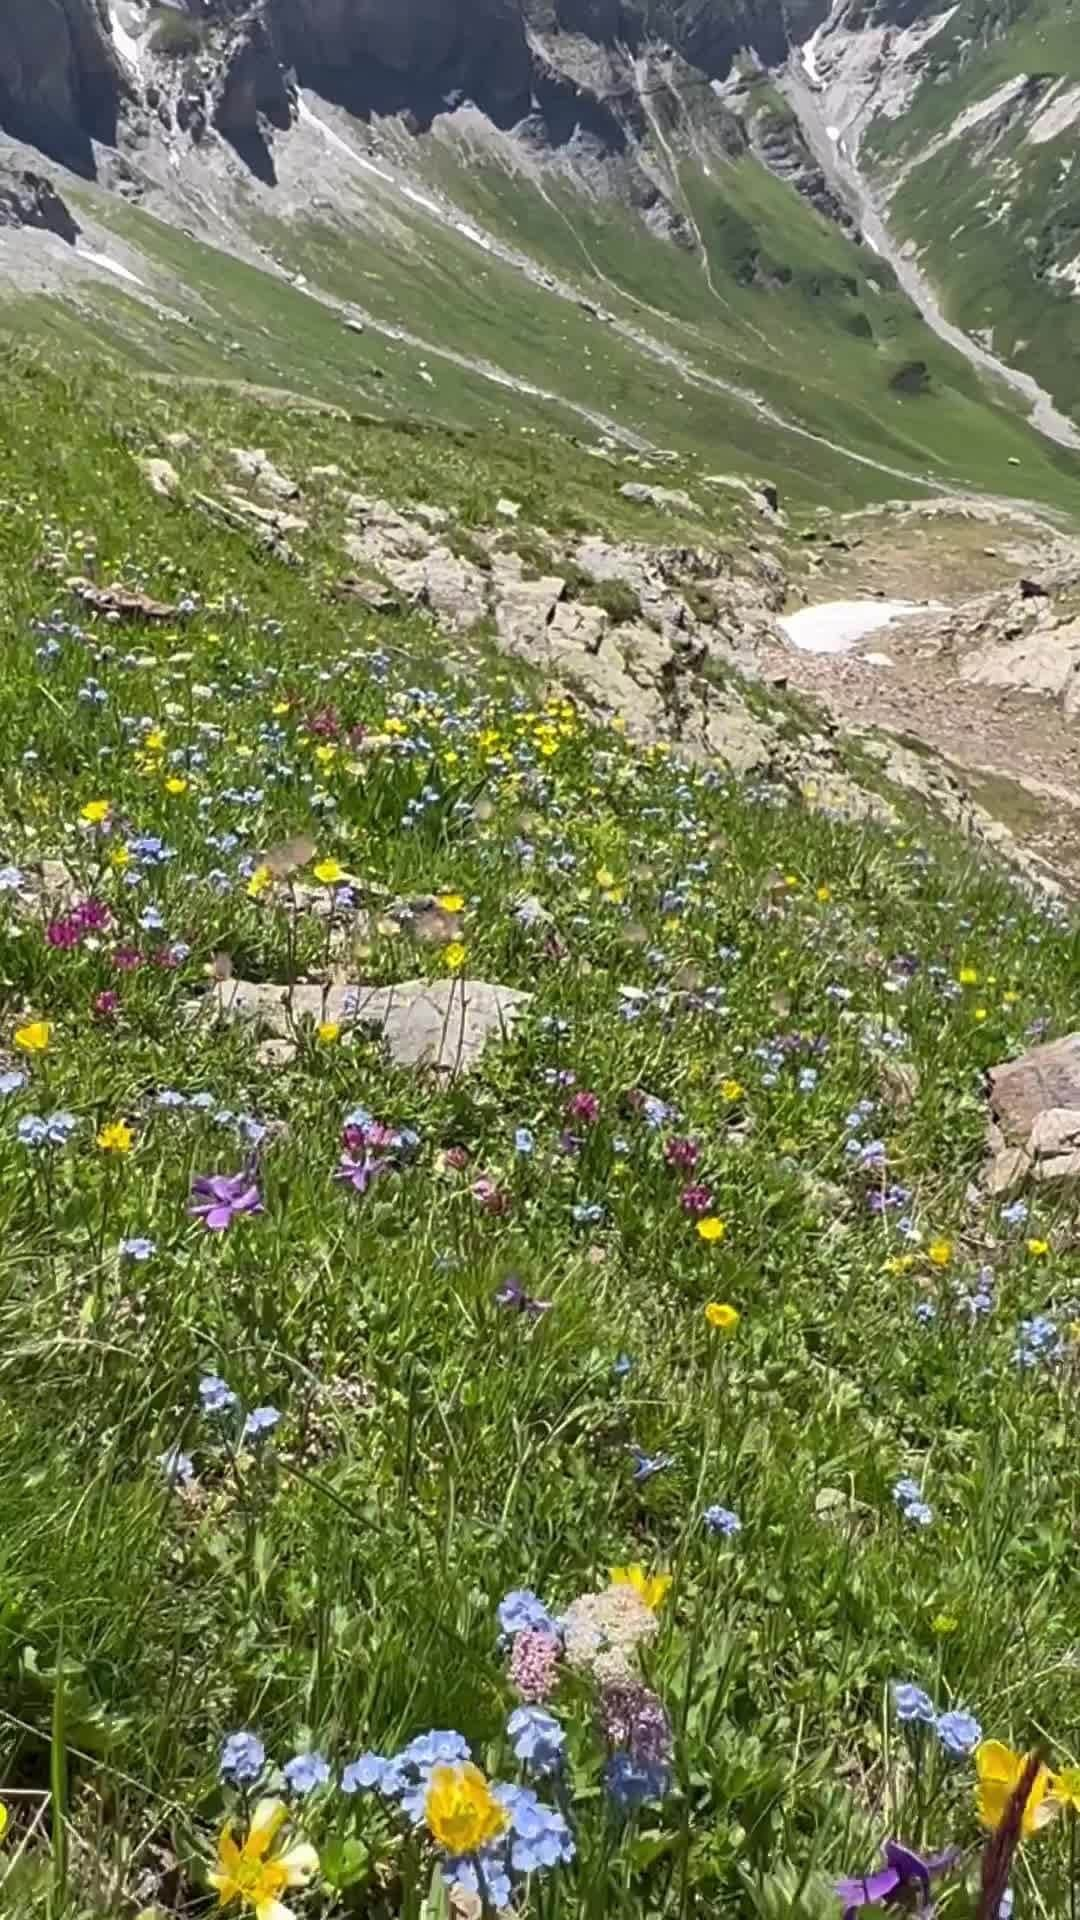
[[696, 1201], [584, 1108], [493, 1198], [106, 1003], [904, 1872], [683, 1155], [221, 1197], [127, 959], [91, 916], [63, 933], [534, 1665]]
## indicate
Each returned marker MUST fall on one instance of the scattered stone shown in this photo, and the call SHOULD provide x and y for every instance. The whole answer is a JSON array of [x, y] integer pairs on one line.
[[352, 325], [1045, 661], [161, 476], [179, 442], [121, 603], [441, 1024], [666, 497], [452, 589], [507, 509], [371, 594], [29, 200], [1032, 590], [325, 473], [1035, 1102], [255, 465], [273, 517]]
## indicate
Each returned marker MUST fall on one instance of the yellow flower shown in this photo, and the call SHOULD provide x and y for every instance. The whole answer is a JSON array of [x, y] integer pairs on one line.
[[325, 755], [454, 957], [939, 1252], [117, 1137], [462, 1812], [730, 1090], [449, 902], [605, 877], [650, 1587], [724, 1318], [154, 741], [1064, 1786], [255, 1875], [711, 1229], [329, 872], [1000, 1771], [35, 1037], [824, 893], [1009, 999], [3, 1820], [943, 1623], [968, 976], [95, 811], [979, 1014], [259, 882], [328, 1031], [174, 784], [279, 707], [120, 858], [1038, 1248]]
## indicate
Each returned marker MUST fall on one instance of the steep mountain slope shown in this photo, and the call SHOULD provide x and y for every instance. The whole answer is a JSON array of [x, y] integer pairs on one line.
[[605, 211], [965, 118]]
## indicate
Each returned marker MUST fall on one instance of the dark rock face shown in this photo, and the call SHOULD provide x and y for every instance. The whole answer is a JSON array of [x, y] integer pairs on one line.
[[29, 200], [60, 82], [252, 96]]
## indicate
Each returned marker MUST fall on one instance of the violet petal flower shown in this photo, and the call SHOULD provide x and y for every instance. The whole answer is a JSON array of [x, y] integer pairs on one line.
[[359, 1174], [904, 1871], [217, 1198]]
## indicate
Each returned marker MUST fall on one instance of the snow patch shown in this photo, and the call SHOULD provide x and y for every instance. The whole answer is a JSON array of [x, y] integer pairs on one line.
[[111, 266], [808, 56], [836, 626], [1057, 115]]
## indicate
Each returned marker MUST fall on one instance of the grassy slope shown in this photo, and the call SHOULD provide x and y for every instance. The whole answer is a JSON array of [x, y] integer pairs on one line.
[[337, 1587], [991, 226]]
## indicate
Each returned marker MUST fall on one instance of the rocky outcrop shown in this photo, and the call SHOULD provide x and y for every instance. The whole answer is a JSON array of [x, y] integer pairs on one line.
[[252, 96], [1035, 1103], [60, 81], [29, 200]]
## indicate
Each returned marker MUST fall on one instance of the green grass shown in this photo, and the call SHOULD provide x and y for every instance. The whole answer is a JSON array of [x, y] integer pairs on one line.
[[726, 967]]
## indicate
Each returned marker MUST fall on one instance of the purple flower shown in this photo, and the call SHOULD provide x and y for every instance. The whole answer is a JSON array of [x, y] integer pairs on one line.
[[305, 1772], [721, 1520], [242, 1758], [959, 1732], [259, 1421], [221, 1197], [648, 1464], [903, 1872], [534, 1664], [520, 1609], [512, 1294], [359, 1174]]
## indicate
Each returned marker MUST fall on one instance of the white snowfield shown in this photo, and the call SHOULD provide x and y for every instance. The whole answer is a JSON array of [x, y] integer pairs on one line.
[[836, 626]]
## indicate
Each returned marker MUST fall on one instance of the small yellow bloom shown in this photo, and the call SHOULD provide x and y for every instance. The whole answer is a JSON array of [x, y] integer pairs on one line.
[[454, 957], [462, 1812], [120, 858], [95, 811], [1009, 999], [979, 1014], [724, 1318], [730, 1090], [117, 1137], [968, 976], [154, 741], [329, 872], [943, 1623], [253, 1874], [174, 784], [259, 882], [327, 1032], [3, 1820], [711, 1229], [650, 1587], [35, 1037], [824, 894], [1065, 1788], [326, 754], [449, 902], [1038, 1248], [605, 877], [279, 708], [1000, 1772], [939, 1252]]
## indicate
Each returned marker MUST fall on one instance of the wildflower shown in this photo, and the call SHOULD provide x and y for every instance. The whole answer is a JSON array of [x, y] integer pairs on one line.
[[721, 1520], [1015, 1213], [911, 1704], [259, 1421], [939, 1252], [959, 1732], [903, 1874], [944, 1623], [461, 1810], [696, 1201], [214, 1395], [1000, 1772], [520, 1609], [524, 1141], [178, 1468], [369, 1771], [449, 902], [12, 1081], [1065, 1787], [512, 1294], [218, 1199], [537, 1738], [711, 1229], [95, 812], [652, 1588], [730, 1090], [721, 1316], [683, 1155], [533, 1668], [647, 1465], [255, 1875], [329, 873], [175, 784], [602, 1631], [968, 976], [259, 881], [631, 1783], [636, 1728], [243, 1757], [117, 1137], [584, 1108], [139, 1248], [359, 1173], [905, 1491], [454, 956], [105, 1003], [327, 1032], [35, 1037], [919, 1514], [305, 1772], [1038, 1248], [539, 1835]]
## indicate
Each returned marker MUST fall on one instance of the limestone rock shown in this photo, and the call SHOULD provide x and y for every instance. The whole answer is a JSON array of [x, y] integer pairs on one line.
[[29, 200], [666, 497], [452, 589], [379, 534], [371, 594], [1039, 1082], [442, 1024], [161, 476], [274, 517], [1045, 661], [255, 465], [121, 603]]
